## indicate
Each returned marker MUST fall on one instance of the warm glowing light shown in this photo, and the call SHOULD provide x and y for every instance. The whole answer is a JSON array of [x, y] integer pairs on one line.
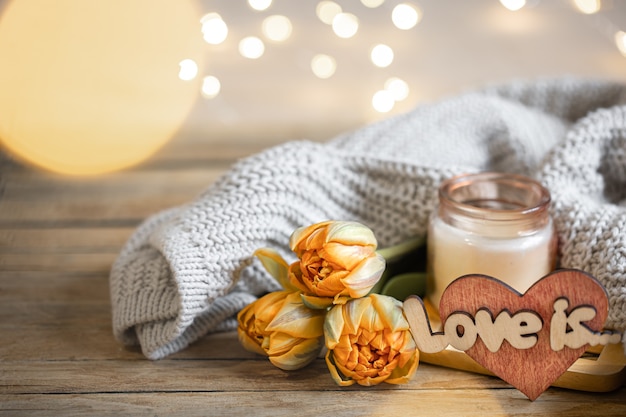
[[327, 10], [188, 69], [251, 47], [513, 5], [345, 25], [210, 86], [620, 41], [405, 16], [93, 86], [372, 3], [214, 29], [588, 6], [382, 55], [398, 88], [323, 66], [277, 28], [260, 5], [383, 101]]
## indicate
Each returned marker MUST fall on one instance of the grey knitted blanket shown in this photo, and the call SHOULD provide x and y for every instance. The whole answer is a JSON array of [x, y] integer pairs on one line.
[[186, 272]]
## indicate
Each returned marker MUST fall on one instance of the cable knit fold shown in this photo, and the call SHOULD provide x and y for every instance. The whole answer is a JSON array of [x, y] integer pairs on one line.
[[187, 271]]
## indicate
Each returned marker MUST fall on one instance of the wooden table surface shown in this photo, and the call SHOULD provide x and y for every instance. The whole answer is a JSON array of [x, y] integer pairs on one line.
[[58, 239]]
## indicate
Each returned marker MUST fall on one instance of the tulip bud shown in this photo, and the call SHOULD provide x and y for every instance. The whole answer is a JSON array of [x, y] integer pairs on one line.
[[280, 326], [337, 261], [369, 342]]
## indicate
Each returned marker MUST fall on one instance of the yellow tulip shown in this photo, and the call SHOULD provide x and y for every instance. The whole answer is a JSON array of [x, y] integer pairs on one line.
[[369, 342], [337, 261], [280, 326]]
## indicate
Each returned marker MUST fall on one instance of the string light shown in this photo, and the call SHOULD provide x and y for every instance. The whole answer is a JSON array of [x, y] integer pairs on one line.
[[345, 25], [513, 5], [214, 29], [588, 6], [210, 86], [327, 10], [251, 47], [383, 101], [277, 28], [323, 66], [398, 88], [405, 16]]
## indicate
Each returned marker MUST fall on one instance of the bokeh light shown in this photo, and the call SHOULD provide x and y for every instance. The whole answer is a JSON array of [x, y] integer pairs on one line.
[[372, 3], [513, 5], [211, 86], [405, 16], [327, 10], [251, 47], [260, 5], [277, 28], [383, 101], [398, 88], [214, 29], [588, 6], [188, 69], [620, 41], [345, 25], [323, 66], [84, 93], [381, 55]]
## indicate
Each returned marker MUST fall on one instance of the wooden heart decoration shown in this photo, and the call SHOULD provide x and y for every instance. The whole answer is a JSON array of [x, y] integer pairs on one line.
[[531, 370]]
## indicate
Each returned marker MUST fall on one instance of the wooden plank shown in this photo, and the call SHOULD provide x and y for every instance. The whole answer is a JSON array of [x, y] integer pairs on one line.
[[64, 240], [348, 403], [189, 375], [67, 262]]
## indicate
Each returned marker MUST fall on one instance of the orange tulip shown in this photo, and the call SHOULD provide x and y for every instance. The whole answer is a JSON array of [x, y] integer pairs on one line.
[[369, 342], [337, 261], [280, 326]]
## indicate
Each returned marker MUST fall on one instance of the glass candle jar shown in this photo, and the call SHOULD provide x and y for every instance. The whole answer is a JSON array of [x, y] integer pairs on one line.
[[492, 224]]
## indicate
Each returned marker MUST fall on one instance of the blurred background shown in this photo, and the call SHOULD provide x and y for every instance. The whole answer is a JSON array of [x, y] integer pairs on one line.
[[91, 86]]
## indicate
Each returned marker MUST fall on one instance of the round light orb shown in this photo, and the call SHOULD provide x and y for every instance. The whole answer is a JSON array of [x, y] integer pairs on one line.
[[277, 28], [405, 16], [620, 41], [381, 55], [95, 86], [251, 47], [383, 101], [211, 86], [513, 5], [323, 66], [188, 69], [214, 29], [327, 10], [260, 5], [345, 25], [372, 3], [398, 88], [588, 6]]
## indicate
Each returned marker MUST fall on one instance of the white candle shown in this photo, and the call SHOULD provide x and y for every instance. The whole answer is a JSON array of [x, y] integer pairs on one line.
[[491, 224]]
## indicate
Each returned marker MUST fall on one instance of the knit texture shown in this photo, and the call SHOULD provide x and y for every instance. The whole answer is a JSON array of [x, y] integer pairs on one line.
[[186, 272]]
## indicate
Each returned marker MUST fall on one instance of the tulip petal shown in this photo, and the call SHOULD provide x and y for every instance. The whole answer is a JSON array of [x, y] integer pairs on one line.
[[275, 265], [351, 233], [402, 375], [299, 356], [390, 312], [354, 312], [302, 233], [249, 343], [362, 278], [295, 319], [345, 256], [316, 303], [334, 372], [333, 326]]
